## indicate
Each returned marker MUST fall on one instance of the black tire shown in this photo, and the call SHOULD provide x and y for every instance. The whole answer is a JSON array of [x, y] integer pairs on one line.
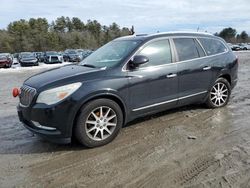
[[211, 98], [86, 112]]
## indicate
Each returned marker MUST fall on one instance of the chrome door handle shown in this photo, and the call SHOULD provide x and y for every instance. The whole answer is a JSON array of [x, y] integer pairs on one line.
[[206, 68], [171, 75]]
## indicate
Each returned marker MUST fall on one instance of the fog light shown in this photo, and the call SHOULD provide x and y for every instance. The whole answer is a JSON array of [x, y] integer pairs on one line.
[[38, 125]]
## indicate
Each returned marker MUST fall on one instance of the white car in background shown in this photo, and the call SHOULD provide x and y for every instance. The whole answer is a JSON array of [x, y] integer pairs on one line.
[[244, 46], [51, 57]]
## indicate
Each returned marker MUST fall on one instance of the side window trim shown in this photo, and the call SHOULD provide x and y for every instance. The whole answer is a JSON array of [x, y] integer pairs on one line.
[[198, 42]]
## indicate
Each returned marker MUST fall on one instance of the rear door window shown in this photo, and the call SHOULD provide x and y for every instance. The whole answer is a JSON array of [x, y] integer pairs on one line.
[[212, 46], [186, 48], [158, 53]]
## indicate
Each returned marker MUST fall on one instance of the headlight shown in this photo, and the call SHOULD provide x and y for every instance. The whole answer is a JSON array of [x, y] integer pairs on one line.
[[57, 94]]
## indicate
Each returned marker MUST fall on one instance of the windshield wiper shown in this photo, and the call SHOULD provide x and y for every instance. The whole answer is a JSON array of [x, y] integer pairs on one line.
[[89, 65]]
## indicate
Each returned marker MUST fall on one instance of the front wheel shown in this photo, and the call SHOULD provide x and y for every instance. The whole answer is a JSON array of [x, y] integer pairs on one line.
[[219, 94], [99, 122]]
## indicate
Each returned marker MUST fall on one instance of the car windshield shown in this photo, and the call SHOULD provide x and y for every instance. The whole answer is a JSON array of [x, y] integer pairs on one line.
[[3, 55], [111, 54], [51, 53], [72, 52], [28, 55]]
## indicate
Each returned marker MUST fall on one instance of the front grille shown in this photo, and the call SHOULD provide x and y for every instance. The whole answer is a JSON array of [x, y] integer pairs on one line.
[[27, 95], [54, 58]]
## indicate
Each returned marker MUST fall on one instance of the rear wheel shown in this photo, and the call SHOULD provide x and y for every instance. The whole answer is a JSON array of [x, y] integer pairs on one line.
[[219, 94], [98, 123]]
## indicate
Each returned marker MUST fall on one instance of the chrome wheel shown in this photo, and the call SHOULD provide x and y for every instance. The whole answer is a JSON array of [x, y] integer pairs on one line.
[[219, 94], [101, 123]]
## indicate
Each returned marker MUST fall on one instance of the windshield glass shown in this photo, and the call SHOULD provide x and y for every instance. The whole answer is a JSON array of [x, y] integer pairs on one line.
[[28, 55], [72, 52], [111, 54], [3, 55], [51, 53]]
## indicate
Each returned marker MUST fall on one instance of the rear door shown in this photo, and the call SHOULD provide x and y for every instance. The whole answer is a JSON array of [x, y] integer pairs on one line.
[[154, 85], [194, 71]]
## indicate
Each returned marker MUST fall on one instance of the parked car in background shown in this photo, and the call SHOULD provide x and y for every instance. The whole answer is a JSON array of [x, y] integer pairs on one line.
[[235, 47], [86, 53], [15, 55], [72, 56], [40, 56], [244, 46], [127, 78], [6, 60], [28, 59], [51, 57]]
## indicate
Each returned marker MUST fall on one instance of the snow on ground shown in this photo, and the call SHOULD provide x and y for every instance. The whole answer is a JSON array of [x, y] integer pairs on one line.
[[17, 68]]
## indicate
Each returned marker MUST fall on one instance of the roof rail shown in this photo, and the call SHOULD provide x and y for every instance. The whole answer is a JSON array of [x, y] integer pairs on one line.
[[182, 32]]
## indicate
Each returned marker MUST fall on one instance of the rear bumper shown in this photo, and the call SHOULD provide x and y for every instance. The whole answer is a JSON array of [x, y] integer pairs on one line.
[[45, 123]]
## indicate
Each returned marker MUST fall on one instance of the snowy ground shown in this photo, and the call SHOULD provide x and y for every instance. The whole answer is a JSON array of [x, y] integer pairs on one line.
[[17, 68]]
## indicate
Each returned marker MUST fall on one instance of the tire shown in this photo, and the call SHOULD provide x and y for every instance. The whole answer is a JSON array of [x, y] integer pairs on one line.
[[219, 99], [101, 129]]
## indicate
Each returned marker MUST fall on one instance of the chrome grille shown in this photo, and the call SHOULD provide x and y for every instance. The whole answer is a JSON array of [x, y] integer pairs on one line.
[[27, 95]]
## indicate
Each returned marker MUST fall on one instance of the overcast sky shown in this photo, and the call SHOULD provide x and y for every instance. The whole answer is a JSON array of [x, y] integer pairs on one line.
[[147, 16]]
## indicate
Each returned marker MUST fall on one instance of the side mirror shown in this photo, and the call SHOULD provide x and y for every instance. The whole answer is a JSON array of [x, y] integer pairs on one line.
[[138, 60]]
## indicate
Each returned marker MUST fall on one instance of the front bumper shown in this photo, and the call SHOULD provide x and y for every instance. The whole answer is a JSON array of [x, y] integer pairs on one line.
[[49, 123], [24, 64], [4, 63]]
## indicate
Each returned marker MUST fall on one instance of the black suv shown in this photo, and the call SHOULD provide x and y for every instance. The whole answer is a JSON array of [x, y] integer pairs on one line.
[[125, 79]]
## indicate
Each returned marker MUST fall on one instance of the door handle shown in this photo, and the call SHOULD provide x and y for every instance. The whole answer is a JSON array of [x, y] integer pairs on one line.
[[206, 68], [171, 75]]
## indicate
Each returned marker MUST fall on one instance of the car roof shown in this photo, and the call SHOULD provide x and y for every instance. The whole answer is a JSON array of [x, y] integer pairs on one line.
[[146, 37]]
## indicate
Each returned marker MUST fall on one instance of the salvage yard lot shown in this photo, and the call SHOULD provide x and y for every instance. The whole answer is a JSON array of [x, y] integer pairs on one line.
[[189, 146]]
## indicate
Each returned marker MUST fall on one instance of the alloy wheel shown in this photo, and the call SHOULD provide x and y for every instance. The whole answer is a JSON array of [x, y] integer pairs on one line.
[[219, 94], [101, 123]]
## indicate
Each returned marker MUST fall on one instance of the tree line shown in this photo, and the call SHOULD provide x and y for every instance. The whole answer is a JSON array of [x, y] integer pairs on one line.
[[40, 35], [64, 32], [230, 35]]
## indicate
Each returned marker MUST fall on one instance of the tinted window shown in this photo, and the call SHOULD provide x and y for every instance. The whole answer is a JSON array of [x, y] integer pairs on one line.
[[212, 46], [158, 53], [186, 49]]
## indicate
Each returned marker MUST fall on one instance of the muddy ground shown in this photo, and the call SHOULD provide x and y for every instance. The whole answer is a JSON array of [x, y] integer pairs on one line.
[[149, 152]]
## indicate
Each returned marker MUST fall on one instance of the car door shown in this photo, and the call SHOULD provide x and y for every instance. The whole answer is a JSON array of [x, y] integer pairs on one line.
[[194, 71], [154, 85]]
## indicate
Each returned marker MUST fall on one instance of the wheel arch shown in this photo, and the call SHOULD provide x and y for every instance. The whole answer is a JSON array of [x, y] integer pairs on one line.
[[227, 77], [109, 96]]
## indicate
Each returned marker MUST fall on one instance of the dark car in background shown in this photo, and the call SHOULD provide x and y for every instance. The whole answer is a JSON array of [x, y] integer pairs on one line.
[[127, 78], [84, 53], [72, 56], [28, 59], [40, 56], [51, 57], [6, 60]]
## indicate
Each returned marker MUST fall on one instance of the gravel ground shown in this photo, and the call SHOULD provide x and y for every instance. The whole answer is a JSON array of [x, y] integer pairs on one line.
[[185, 147]]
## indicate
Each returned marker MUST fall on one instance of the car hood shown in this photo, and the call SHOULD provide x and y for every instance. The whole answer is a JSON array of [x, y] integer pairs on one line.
[[63, 74], [3, 59]]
